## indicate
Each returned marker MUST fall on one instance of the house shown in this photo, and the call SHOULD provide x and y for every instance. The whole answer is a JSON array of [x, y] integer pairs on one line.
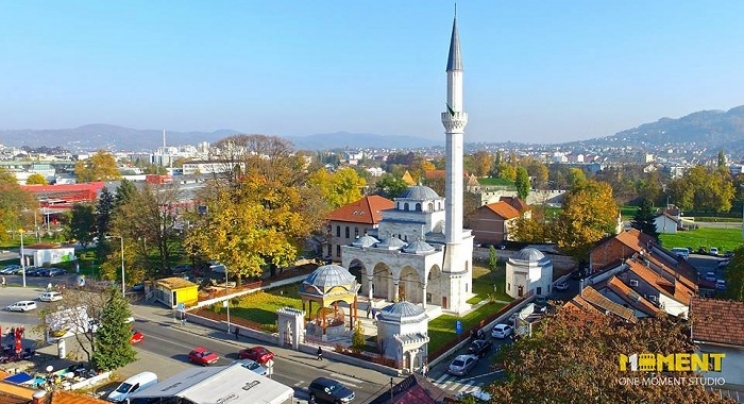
[[174, 291], [666, 224], [589, 295], [528, 272], [718, 327], [47, 254], [352, 221], [617, 248], [491, 223]]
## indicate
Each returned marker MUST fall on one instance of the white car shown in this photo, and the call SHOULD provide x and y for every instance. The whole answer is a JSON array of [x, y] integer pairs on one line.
[[462, 364], [561, 286], [713, 251], [502, 331], [721, 284], [24, 306], [50, 297]]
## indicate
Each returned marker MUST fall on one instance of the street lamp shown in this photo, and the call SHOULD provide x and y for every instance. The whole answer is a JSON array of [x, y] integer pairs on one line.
[[123, 284], [50, 381]]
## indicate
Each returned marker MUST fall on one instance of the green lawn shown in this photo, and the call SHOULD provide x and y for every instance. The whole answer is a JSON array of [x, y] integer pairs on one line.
[[442, 328], [261, 307], [484, 282], [724, 239], [496, 181]]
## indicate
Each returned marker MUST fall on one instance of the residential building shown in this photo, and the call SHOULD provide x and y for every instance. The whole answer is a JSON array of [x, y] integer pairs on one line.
[[491, 223], [718, 327], [352, 221]]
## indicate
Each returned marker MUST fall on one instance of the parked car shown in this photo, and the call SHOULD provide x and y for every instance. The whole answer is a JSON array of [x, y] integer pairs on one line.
[[721, 284], [182, 268], [10, 269], [331, 391], [55, 272], [32, 271], [462, 364], [681, 252], [729, 254], [561, 286], [713, 251], [502, 331], [480, 347], [138, 287], [253, 366], [136, 337], [710, 276], [257, 353], [50, 297], [724, 263], [702, 250], [202, 356], [23, 305]]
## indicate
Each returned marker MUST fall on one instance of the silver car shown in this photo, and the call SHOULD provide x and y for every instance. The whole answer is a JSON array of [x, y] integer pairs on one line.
[[462, 364], [24, 306], [253, 366]]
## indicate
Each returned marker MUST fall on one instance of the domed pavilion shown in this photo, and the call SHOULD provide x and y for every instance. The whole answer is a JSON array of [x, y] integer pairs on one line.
[[333, 289]]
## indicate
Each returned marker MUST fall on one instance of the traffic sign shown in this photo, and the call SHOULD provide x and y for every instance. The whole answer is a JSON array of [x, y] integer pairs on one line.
[[458, 327]]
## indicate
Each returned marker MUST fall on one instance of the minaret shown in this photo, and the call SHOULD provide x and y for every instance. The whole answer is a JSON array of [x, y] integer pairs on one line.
[[458, 243]]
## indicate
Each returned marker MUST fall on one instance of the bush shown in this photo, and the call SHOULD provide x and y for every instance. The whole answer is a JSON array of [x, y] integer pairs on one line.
[[357, 339], [339, 348]]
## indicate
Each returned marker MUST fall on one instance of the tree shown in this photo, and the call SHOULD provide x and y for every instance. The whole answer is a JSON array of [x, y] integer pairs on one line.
[[82, 224], [482, 161], [576, 177], [522, 182], [589, 214], [574, 358], [493, 259], [721, 159], [36, 179], [16, 205], [104, 210], [734, 276], [644, 219], [101, 166], [358, 340], [112, 347], [339, 188], [125, 192], [507, 172], [532, 229], [390, 186]]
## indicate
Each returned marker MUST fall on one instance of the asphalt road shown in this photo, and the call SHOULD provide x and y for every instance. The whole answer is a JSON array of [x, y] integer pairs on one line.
[[10, 295]]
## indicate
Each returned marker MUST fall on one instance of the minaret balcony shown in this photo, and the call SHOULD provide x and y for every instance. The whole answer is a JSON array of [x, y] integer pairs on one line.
[[454, 122]]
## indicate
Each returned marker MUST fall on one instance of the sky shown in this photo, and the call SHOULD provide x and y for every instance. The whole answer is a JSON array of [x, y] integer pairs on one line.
[[535, 71]]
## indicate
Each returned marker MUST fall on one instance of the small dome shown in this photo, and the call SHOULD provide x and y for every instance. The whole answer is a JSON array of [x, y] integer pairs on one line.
[[418, 247], [529, 254], [419, 193], [365, 241], [330, 275], [402, 310], [391, 243]]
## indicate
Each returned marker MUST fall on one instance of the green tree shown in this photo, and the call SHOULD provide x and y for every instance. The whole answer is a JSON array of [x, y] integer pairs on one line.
[[507, 172], [589, 214], [101, 166], [124, 192], [390, 186], [734, 276], [112, 347], [576, 177], [17, 205], [358, 341], [493, 259], [644, 219], [574, 358], [82, 224], [721, 159], [522, 183], [104, 210], [36, 179]]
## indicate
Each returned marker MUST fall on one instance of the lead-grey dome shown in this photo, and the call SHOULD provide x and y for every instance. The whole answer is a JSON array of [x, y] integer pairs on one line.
[[419, 193], [365, 241], [330, 275], [418, 247], [391, 243], [529, 257], [401, 311]]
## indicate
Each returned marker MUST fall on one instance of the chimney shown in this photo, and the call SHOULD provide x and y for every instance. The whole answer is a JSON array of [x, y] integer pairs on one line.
[[39, 397]]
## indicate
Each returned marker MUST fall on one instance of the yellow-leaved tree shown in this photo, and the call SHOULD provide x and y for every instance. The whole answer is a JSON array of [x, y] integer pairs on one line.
[[340, 188], [99, 167], [36, 179]]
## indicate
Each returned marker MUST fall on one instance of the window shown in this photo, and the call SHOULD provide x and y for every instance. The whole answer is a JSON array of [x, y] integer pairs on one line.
[[405, 206], [539, 290], [338, 231], [338, 250], [633, 282], [508, 286], [356, 232], [346, 232], [418, 207]]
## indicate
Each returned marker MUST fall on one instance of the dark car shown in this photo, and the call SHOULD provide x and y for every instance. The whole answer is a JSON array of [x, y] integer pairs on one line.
[[34, 271], [330, 391], [178, 269], [55, 272], [702, 250], [480, 347]]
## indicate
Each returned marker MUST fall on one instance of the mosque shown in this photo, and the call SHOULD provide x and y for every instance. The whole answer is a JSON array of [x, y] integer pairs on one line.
[[420, 252]]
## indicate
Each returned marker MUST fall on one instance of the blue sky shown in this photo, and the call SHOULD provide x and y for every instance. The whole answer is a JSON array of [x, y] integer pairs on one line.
[[535, 71]]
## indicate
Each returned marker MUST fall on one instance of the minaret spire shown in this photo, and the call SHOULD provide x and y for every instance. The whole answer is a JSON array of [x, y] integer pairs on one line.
[[454, 60]]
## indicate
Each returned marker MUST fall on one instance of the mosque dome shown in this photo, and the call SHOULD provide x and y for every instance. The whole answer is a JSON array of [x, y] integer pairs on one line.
[[529, 256], [401, 311], [419, 193], [365, 241], [391, 243], [418, 247], [329, 276]]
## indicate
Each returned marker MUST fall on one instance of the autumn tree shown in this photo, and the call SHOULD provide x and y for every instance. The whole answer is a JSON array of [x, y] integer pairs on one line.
[[507, 172], [644, 219], [703, 190], [522, 182], [589, 213], [17, 205], [532, 229], [339, 188], [36, 179], [112, 347], [82, 225], [538, 173], [734, 276], [574, 358], [481, 163], [576, 177], [101, 166], [390, 186]]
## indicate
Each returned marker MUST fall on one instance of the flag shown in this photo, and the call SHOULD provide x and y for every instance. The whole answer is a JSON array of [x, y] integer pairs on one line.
[[451, 111]]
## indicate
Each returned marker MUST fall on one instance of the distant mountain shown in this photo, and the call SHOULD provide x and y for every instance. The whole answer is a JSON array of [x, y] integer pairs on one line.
[[712, 130], [111, 137], [340, 140]]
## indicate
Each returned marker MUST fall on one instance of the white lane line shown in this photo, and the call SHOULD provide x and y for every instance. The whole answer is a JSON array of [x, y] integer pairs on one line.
[[442, 378], [347, 379], [300, 383]]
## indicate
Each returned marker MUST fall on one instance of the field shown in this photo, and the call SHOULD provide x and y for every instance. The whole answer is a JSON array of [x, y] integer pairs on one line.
[[724, 239], [496, 181]]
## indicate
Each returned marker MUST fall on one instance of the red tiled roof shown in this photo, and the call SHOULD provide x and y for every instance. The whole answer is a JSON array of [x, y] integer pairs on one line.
[[626, 293], [634, 239], [516, 203], [717, 321], [676, 290], [367, 210], [503, 209], [682, 273], [66, 397], [582, 308], [414, 389]]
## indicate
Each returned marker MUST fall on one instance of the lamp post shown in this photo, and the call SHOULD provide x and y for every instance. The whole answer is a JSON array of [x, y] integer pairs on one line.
[[50, 382], [123, 283], [23, 260]]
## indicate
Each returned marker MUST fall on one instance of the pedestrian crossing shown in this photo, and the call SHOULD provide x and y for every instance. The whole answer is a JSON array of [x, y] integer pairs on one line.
[[458, 385]]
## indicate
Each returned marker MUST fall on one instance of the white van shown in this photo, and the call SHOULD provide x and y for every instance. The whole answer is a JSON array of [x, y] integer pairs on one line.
[[681, 252], [135, 383]]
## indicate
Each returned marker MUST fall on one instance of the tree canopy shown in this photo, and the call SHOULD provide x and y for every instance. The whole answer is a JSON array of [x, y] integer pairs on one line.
[[339, 188], [101, 166], [112, 347], [36, 179], [703, 190], [522, 182], [644, 219], [390, 186]]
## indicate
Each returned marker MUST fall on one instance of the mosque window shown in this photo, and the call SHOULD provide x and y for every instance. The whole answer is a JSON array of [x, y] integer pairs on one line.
[[418, 207], [338, 250], [431, 207], [338, 231], [346, 233], [405, 206]]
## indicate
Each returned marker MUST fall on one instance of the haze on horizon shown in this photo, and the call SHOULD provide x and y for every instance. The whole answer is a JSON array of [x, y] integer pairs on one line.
[[535, 71]]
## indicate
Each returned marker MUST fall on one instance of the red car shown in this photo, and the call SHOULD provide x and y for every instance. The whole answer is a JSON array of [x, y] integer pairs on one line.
[[257, 353], [136, 337], [202, 356]]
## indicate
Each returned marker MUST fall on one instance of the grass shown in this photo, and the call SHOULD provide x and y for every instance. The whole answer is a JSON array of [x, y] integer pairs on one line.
[[496, 181], [442, 328], [724, 239], [484, 281], [261, 307]]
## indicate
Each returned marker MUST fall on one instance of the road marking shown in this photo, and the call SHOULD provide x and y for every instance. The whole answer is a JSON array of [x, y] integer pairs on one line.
[[346, 379], [300, 383], [442, 378], [483, 375]]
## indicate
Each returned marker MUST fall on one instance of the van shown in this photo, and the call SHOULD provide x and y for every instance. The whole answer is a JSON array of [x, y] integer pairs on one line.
[[681, 252], [135, 383]]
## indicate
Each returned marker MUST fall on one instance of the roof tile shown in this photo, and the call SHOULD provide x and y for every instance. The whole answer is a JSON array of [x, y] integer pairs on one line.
[[367, 210], [503, 209], [718, 321]]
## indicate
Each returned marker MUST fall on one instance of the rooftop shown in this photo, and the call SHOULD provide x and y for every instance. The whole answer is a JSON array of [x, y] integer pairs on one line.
[[718, 321]]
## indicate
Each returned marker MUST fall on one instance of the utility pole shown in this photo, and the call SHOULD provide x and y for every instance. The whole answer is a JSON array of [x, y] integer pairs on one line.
[[391, 389]]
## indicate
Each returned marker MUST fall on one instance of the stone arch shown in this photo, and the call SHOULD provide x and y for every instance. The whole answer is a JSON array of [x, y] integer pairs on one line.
[[434, 285], [382, 281], [418, 207], [363, 274], [431, 206], [410, 287], [405, 206]]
